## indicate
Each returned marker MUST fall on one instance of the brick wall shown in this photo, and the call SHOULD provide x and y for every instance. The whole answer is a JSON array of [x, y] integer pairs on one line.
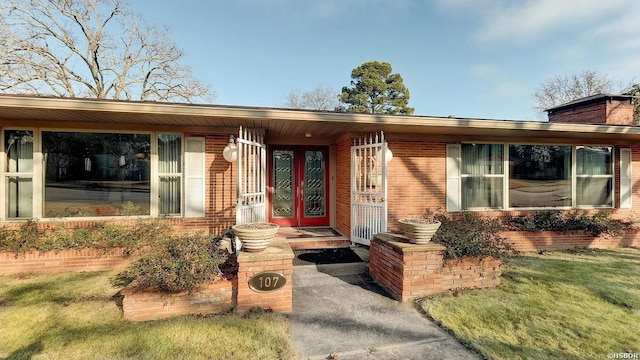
[[151, 304], [416, 178], [553, 240], [407, 270], [343, 184], [62, 261]]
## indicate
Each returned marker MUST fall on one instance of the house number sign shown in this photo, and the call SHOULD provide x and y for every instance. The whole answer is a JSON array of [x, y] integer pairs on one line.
[[267, 281]]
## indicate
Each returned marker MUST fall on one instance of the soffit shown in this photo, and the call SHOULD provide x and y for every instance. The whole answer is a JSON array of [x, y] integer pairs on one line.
[[284, 123]]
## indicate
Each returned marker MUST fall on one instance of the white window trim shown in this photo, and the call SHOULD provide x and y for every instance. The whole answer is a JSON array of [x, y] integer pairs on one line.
[[626, 179]]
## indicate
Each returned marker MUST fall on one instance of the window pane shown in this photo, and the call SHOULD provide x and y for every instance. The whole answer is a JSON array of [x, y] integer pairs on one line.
[[96, 174], [170, 162], [314, 184], [482, 159], [482, 192], [19, 197], [594, 191], [19, 150], [594, 160], [539, 176], [169, 151], [170, 195], [283, 196], [18, 146]]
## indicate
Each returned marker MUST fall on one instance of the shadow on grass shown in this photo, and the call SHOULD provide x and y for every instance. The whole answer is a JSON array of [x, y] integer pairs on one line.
[[607, 274], [26, 352], [49, 290]]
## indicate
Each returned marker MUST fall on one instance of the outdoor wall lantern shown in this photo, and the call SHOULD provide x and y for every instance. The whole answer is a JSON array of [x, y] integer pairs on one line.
[[230, 152], [389, 155]]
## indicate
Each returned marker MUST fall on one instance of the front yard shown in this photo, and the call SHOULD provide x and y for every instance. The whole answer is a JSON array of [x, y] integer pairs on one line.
[[75, 316], [581, 304]]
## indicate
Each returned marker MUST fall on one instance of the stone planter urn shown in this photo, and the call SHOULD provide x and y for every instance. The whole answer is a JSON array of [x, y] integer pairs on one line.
[[255, 237], [419, 231]]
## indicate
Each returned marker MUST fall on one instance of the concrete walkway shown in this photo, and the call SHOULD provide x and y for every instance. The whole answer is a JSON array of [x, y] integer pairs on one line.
[[338, 309]]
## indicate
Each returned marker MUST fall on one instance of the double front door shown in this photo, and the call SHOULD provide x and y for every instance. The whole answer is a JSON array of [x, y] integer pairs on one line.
[[299, 186]]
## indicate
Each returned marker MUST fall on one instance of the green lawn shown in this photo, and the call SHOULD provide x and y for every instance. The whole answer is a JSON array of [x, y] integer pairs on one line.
[[579, 304], [75, 316]]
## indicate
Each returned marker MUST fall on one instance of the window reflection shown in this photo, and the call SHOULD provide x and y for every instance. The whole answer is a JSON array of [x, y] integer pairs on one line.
[[96, 174]]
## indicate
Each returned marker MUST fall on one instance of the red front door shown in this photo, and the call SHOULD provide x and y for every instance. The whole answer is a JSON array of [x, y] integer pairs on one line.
[[298, 186]]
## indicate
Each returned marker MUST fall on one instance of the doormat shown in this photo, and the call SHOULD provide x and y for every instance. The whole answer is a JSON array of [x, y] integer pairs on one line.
[[317, 231], [325, 256]]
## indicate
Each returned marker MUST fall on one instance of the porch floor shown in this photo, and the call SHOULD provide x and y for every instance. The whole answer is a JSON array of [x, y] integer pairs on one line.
[[313, 237]]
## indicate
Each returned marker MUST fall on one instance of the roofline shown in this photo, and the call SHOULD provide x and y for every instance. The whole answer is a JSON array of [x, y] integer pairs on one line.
[[266, 113]]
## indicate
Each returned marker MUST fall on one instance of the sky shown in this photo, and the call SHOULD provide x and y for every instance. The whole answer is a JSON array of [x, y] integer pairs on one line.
[[465, 58]]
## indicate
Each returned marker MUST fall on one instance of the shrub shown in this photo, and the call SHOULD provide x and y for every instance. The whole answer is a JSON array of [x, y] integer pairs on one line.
[[470, 234], [106, 236], [175, 263], [597, 224]]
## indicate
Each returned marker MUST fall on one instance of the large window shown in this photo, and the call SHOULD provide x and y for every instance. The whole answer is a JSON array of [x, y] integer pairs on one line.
[[18, 172], [539, 176], [482, 175], [524, 176], [96, 174]]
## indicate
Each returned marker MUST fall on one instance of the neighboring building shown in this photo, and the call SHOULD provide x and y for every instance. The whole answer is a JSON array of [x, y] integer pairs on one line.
[[82, 160]]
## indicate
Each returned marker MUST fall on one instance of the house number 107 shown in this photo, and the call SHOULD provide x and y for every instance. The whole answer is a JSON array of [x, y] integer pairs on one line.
[[267, 281]]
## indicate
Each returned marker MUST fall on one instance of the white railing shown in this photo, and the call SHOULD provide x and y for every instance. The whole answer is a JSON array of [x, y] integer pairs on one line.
[[252, 169], [368, 188]]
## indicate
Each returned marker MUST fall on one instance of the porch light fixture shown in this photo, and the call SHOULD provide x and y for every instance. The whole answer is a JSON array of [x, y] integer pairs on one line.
[[389, 155], [230, 152]]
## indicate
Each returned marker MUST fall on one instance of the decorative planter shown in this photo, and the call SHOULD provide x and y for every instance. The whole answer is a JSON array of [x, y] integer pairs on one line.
[[255, 237], [419, 231]]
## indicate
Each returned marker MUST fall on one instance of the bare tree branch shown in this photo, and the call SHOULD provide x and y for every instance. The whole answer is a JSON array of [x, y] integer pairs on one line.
[[320, 98], [90, 48], [563, 89]]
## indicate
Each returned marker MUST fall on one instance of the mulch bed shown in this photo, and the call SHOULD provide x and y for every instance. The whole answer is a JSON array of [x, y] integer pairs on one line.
[[325, 256]]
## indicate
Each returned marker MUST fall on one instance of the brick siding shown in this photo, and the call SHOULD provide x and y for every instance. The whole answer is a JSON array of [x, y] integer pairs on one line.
[[62, 261]]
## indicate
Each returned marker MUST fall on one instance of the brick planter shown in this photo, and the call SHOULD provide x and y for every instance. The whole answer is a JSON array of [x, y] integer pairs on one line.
[[224, 295], [408, 270]]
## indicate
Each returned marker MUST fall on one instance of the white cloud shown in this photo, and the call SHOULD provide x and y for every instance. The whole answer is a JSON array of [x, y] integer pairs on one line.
[[529, 20]]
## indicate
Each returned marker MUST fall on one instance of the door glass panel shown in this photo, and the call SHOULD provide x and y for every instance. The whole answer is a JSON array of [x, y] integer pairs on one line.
[[314, 184], [283, 186]]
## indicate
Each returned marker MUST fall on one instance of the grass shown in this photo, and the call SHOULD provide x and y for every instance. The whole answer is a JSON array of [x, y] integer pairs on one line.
[[76, 316], [580, 304]]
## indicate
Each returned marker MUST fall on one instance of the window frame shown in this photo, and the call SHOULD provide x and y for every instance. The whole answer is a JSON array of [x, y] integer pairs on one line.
[[573, 168], [484, 176], [159, 176], [4, 187]]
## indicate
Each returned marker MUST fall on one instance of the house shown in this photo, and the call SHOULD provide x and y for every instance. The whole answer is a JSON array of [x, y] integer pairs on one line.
[[81, 160]]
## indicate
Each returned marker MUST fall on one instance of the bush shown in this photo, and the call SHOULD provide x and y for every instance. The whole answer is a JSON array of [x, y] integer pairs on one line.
[[470, 234], [106, 236], [597, 224], [175, 263]]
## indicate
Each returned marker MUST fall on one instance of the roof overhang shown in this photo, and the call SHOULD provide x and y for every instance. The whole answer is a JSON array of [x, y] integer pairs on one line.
[[287, 123]]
